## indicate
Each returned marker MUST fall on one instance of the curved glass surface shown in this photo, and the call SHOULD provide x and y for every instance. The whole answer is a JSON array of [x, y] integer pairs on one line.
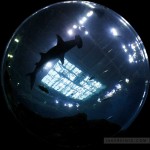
[[74, 67]]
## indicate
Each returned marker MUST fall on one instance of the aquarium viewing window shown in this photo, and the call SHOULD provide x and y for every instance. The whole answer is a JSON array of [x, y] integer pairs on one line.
[[70, 81]]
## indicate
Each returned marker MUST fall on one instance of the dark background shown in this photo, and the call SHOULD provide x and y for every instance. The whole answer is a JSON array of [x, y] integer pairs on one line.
[[14, 12]]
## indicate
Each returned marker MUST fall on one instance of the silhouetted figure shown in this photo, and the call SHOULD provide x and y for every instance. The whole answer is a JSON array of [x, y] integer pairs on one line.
[[58, 52]]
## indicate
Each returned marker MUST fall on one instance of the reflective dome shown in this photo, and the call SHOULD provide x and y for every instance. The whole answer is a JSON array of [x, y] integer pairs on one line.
[[75, 69]]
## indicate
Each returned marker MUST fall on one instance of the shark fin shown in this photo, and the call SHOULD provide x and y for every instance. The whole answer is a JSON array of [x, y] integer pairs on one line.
[[59, 40], [61, 57]]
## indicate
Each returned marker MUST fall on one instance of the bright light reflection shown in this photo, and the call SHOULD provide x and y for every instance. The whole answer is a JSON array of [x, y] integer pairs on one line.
[[131, 60], [90, 13], [16, 40], [48, 65], [110, 94], [88, 4], [127, 80], [146, 56], [86, 32], [133, 47], [75, 26], [114, 32], [118, 86], [105, 71], [124, 48], [70, 32], [83, 20], [56, 101], [124, 22], [68, 105], [99, 100], [10, 56]]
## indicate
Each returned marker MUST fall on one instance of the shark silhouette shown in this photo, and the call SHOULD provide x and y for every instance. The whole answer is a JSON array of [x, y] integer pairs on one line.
[[57, 52]]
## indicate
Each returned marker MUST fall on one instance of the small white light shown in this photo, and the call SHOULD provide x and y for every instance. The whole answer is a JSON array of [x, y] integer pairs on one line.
[[84, 19], [16, 40], [123, 22], [133, 46], [75, 26], [56, 101], [65, 104], [99, 100], [70, 105], [90, 13], [10, 56], [70, 32], [114, 32], [81, 21], [118, 86], [131, 60], [127, 80], [105, 71], [123, 46], [86, 32], [48, 65]]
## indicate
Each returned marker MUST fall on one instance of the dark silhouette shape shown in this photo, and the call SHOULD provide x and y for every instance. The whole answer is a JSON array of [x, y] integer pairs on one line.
[[44, 89], [57, 51], [67, 131]]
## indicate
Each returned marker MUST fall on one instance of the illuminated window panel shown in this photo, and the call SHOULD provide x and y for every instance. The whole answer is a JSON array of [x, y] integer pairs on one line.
[[62, 78]]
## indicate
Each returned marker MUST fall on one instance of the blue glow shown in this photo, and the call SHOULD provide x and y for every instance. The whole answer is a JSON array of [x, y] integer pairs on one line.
[[71, 81]]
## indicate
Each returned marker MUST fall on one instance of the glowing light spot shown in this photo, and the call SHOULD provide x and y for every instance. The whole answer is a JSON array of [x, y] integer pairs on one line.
[[114, 32], [56, 101], [70, 32], [75, 26], [127, 80], [70, 105], [91, 5], [123, 46], [10, 55], [131, 60], [86, 32], [16, 40], [118, 86], [124, 22], [48, 66], [99, 100], [105, 71], [90, 13]]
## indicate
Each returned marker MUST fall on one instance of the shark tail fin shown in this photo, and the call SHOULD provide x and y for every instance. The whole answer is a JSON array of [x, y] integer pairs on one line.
[[79, 41], [32, 79]]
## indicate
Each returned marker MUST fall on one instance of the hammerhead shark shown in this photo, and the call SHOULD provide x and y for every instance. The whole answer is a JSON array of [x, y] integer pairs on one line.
[[56, 52]]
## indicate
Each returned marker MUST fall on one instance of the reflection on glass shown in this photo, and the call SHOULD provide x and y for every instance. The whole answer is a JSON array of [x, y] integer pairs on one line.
[[105, 80], [61, 78]]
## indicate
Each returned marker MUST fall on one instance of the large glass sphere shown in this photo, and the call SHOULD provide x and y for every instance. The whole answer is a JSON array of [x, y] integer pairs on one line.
[[74, 72]]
